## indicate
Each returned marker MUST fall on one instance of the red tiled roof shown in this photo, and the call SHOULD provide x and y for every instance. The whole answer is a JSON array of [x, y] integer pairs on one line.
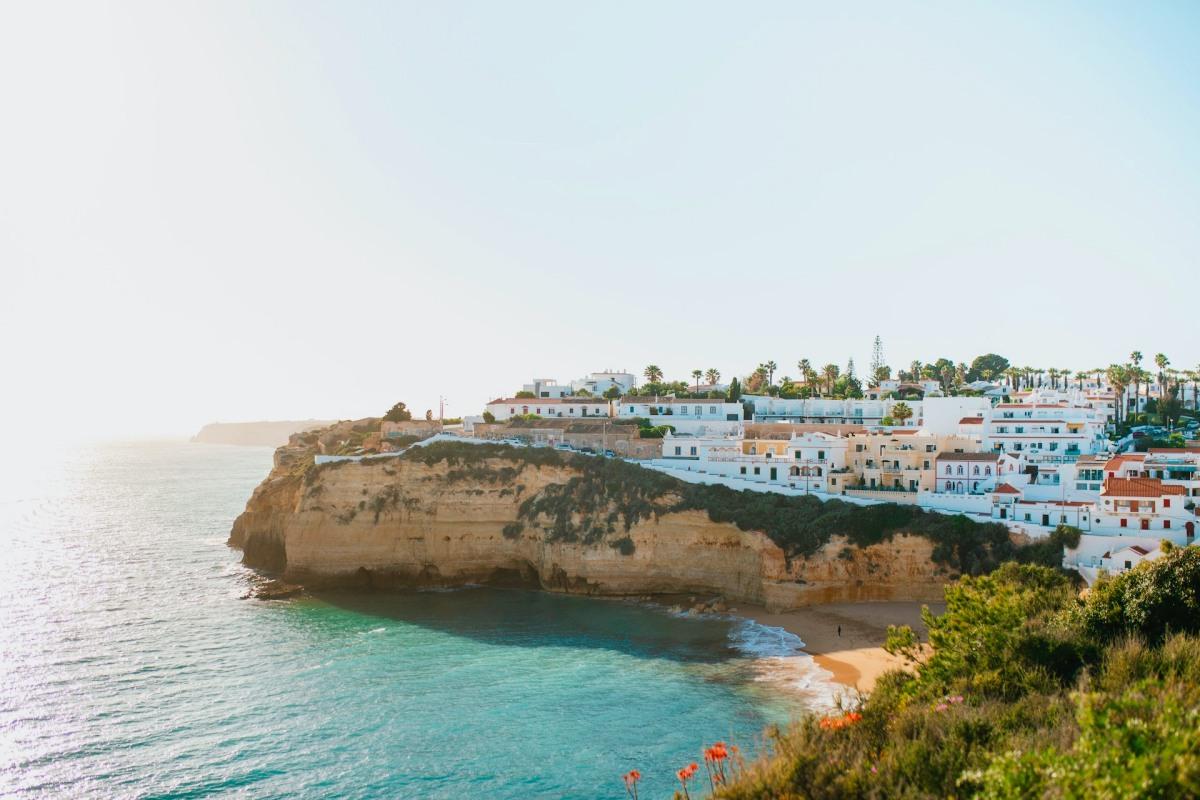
[[1138, 487], [1116, 462], [1191, 448], [1006, 488], [535, 401], [968, 457], [1064, 503], [971, 421]]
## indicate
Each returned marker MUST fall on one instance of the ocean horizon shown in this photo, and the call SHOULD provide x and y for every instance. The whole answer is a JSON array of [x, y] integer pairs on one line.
[[134, 666]]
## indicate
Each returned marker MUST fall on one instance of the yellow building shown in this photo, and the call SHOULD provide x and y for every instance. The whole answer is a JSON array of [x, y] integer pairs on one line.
[[900, 460]]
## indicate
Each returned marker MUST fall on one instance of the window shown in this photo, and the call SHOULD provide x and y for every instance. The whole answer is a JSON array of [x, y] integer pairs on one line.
[[757, 470], [1124, 523], [683, 409], [1128, 565], [743, 470], [821, 457], [678, 451], [1166, 502], [1166, 523], [960, 469], [987, 470], [948, 472], [693, 451], [976, 469], [712, 409]]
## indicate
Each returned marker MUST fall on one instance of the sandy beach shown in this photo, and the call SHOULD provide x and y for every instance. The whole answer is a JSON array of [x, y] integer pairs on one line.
[[855, 657]]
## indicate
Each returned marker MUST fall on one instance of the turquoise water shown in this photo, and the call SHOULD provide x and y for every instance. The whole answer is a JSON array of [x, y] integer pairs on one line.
[[132, 667]]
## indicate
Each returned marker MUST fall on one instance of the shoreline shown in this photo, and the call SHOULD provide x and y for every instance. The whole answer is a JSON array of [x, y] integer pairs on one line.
[[856, 657]]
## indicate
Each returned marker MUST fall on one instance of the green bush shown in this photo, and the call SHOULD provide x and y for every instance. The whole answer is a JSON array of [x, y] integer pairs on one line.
[[1021, 694]]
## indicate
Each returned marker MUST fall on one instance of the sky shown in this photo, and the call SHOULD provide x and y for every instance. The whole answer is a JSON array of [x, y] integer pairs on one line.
[[223, 211]]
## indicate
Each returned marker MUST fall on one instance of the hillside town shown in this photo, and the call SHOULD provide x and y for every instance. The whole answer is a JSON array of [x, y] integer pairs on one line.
[[1110, 452]]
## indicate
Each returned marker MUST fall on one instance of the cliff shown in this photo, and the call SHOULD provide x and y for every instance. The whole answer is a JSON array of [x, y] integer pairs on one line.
[[453, 514], [255, 433]]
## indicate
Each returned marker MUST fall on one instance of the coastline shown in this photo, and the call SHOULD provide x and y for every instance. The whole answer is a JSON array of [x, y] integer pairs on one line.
[[856, 658]]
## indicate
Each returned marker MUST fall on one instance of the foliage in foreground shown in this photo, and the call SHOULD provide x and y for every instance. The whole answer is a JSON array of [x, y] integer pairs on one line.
[[1027, 692], [607, 497]]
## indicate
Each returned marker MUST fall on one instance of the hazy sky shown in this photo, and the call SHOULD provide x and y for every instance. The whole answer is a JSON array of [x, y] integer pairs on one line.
[[246, 210]]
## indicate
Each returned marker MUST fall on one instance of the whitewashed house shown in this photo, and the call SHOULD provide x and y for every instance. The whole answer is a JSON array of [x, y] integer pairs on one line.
[[966, 473], [567, 407]]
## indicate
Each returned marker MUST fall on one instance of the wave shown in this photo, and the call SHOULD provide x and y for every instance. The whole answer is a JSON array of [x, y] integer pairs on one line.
[[779, 659]]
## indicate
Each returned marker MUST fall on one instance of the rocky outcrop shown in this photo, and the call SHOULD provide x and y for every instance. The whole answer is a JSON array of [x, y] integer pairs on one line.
[[401, 522]]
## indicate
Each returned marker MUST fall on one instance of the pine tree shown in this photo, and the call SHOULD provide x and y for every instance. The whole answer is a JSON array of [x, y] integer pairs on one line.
[[877, 363]]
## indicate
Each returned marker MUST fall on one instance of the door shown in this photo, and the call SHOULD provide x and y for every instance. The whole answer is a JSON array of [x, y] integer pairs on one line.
[[1003, 513], [1045, 519], [772, 473]]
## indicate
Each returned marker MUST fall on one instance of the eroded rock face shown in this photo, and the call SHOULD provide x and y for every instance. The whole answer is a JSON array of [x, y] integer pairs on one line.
[[396, 522]]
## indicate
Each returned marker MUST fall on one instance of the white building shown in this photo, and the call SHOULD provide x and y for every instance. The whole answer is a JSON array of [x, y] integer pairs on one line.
[[936, 415], [1044, 429], [570, 407], [597, 383], [546, 387], [812, 462], [966, 473]]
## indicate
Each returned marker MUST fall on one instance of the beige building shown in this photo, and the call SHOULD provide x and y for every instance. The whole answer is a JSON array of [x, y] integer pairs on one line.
[[900, 460]]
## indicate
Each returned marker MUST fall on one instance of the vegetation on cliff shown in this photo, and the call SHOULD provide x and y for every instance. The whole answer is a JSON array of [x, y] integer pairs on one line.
[[607, 497], [1025, 691]]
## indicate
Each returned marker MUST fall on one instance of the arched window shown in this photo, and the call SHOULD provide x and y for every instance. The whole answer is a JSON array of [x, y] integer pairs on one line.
[[948, 470], [987, 470], [960, 469]]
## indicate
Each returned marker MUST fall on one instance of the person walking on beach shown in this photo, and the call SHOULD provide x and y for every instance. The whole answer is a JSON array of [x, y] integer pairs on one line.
[[839, 630]]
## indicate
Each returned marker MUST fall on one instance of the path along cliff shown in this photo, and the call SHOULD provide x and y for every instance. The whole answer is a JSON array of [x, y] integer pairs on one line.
[[451, 514]]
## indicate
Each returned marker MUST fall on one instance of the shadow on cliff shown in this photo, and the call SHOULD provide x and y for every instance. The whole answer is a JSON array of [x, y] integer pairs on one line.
[[522, 618]]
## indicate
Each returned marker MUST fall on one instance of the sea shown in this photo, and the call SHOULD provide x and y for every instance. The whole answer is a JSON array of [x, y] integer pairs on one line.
[[132, 663]]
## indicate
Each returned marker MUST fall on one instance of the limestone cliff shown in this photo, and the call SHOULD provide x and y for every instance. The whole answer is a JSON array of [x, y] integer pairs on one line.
[[423, 522]]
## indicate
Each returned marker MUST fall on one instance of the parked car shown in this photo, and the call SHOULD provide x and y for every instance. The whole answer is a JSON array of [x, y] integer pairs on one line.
[[610, 454]]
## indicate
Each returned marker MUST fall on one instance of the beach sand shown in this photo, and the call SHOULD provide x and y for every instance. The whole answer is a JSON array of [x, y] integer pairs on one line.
[[856, 658]]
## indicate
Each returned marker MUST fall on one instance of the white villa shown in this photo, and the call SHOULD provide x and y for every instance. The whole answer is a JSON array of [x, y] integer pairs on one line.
[[578, 407]]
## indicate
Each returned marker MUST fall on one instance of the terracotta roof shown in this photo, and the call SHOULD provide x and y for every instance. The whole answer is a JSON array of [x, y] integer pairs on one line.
[[1138, 487], [971, 421], [1032, 405], [1191, 448], [1062, 503], [968, 457], [1139, 550], [1116, 462], [535, 401], [1006, 488]]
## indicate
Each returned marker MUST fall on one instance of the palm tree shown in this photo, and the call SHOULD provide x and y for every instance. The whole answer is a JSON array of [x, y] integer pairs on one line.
[[653, 373], [960, 374], [1065, 374], [713, 376], [1193, 375], [1014, 377], [771, 367], [1053, 373], [915, 366], [901, 412], [1161, 361], [1119, 377], [831, 372], [696, 375]]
